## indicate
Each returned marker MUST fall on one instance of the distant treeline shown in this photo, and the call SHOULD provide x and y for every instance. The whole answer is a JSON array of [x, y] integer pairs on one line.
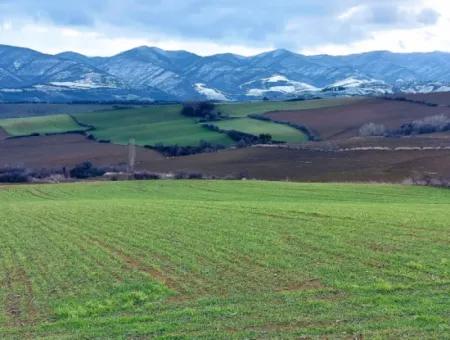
[[432, 124]]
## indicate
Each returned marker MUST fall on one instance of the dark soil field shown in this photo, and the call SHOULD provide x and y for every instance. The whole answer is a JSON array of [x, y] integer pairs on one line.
[[65, 150], [439, 98], [309, 165], [3, 134], [364, 160], [29, 110], [345, 121], [434, 140]]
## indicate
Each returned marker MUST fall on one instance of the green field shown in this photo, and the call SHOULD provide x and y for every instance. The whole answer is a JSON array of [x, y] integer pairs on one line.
[[247, 108], [40, 125], [165, 124], [149, 126], [224, 259], [279, 132]]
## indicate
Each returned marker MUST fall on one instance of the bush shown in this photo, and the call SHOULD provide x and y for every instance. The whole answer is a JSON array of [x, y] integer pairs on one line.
[[145, 175], [204, 110], [372, 130], [86, 170], [176, 150], [188, 175], [437, 123], [14, 175]]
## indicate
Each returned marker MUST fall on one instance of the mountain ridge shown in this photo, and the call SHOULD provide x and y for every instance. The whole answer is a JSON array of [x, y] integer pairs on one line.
[[152, 73]]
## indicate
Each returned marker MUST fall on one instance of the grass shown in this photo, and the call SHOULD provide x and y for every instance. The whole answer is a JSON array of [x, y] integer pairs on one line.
[[164, 124], [224, 259], [149, 126], [247, 108], [279, 132], [40, 125]]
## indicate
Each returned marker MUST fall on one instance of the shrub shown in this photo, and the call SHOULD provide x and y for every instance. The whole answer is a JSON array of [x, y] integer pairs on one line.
[[437, 123], [14, 175], [204, 110], [145, 175], [372, 129], [188, 175], [86, 170], [177, 150]]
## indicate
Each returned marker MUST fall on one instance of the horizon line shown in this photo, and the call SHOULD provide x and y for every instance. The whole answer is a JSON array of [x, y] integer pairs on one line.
[[225, 53]]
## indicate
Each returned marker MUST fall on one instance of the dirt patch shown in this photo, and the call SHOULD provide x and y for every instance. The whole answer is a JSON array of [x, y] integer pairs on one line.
[[19, 303], [136, 264], [66, 150], [345, 121], [305, 285]]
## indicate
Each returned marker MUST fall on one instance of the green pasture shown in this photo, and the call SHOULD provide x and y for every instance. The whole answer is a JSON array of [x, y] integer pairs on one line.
[[243, 109], [279, 132], [40, 125], [224, 259], [149, 126]]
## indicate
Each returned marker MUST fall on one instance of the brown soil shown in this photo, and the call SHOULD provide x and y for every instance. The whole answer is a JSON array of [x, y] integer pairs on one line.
[[66, 150], [3, 134], [316, 166], [345, 121], [439, 98], [311, 162]]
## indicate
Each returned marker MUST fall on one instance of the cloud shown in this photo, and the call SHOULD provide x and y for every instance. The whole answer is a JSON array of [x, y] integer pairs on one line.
[[108, 26]]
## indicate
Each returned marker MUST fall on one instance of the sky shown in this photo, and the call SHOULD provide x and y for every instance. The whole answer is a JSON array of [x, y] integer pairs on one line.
[[246, 27]]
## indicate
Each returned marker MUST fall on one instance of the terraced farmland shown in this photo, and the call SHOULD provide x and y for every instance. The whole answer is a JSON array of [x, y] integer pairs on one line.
[[248, 108], [224, 260], [279, 132], [40, 125]]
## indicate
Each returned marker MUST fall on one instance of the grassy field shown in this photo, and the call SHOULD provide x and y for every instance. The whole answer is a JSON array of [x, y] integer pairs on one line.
[[150, 125], [14, 110], [164, 123], [224, 259], [41, 125], [279, 132], [248, 108]]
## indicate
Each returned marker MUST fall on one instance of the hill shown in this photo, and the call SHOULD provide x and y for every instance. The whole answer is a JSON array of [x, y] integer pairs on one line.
[[223, 259]]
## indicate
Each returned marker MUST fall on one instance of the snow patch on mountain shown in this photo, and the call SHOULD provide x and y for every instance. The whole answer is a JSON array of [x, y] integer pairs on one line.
[[89, 81], [425, 88], [211, 94], [279, 84], [276, 78], [359, 86]]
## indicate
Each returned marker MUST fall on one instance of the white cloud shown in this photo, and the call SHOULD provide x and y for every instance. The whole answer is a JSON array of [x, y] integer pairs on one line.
[[245, 28], [423, 38], [54, 39]]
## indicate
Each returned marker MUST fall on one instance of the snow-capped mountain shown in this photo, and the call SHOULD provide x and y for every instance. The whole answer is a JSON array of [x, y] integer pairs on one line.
[[154, 74]]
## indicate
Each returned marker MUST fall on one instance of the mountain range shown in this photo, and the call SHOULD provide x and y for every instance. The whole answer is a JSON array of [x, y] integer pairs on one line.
[[150, 74]]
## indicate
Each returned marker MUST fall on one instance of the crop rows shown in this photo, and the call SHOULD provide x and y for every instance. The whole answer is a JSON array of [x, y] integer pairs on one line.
[[223, 259]]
